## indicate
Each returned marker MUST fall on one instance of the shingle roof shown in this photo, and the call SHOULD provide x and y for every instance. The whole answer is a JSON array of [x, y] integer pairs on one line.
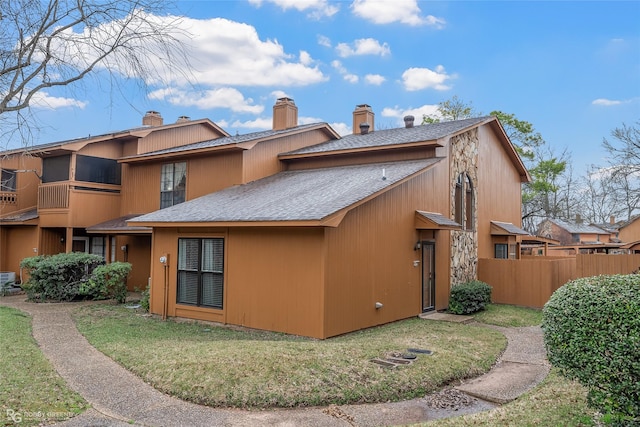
[[575, 228], [118, 226], [439, 219], [510, 228], [229, 140], [20, 216], [390, 137], [304, 195]]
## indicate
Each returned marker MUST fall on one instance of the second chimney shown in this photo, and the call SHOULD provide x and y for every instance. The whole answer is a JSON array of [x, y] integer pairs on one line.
[[152, 118], [285, 114], [362, 114]]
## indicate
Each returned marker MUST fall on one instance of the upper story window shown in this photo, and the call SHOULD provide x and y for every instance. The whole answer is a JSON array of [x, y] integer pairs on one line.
[[97, 169], [8, 180], [173, 180], [464, 201]]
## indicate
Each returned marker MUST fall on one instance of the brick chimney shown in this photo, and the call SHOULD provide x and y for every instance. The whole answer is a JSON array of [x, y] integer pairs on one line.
[[362, 114], [285, 114], [152, 118]]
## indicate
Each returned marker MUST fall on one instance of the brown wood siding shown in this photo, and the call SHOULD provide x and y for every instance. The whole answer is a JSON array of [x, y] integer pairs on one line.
[[275, 279], [596, 264], [176, 137], [88, 208], [16, 243], [498, 190], [50, 243], [208, 174], [26, 194], [370, 257], [139, 255], [262, 160], [103, 149], [630, 233], [360, 158], [140, 190]]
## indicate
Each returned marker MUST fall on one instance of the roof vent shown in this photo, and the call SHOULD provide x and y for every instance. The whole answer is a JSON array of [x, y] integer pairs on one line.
[[183, 119], [408, 121], [364, 128]]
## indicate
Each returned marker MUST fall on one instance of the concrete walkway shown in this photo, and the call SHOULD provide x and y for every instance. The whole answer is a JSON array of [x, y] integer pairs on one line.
[[119, 398]]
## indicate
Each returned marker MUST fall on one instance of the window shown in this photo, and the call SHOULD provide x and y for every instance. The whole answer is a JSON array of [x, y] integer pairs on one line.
[[55, 169], [464, 202], [173, 181], [97, 169], [201, 272], [502, 250], [98, 246], [8, 180]]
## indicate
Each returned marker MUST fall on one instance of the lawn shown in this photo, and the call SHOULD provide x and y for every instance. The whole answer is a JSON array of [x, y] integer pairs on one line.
[[31, 392], [230, 367], [509, 316]]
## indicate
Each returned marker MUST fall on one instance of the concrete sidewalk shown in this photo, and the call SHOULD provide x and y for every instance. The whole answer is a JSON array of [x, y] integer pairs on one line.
[[119, 398]]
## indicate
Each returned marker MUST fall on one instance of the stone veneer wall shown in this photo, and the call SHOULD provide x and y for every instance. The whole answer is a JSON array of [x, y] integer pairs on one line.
[[464, 244]]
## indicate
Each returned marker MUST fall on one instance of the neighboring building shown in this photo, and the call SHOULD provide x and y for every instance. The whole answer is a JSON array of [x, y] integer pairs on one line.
[[629, 233], [576, 237], [297, 229]]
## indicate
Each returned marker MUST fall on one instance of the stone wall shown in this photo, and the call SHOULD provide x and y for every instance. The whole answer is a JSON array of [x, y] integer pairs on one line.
[[463, 156]]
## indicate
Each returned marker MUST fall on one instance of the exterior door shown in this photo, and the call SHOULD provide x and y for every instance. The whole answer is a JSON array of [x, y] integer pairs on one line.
[[428, 276]]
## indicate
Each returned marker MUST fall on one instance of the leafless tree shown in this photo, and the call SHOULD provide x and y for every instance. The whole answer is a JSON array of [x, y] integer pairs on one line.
[[48, 44]]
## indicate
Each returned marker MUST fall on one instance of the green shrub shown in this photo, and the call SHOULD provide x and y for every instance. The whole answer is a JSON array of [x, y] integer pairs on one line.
[[469, 297], [58, 277], [592, 333], [144, 299], [107, 282]]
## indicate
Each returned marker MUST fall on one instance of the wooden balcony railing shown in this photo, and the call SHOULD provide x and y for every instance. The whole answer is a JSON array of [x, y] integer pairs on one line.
[[53, 196], [8, 198]]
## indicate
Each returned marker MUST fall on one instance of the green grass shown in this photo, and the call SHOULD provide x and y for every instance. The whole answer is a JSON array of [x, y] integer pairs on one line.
[[221, 366], [31, 392], [557, 401], [509, 316]]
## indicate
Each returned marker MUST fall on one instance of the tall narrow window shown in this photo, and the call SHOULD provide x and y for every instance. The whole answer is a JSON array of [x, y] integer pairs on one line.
[[201, 272], [8, 180], [173, 182], [463, 203]]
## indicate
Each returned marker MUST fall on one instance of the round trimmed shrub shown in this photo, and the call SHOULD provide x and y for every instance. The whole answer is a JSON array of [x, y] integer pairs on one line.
[[592, 333], [469, 297]]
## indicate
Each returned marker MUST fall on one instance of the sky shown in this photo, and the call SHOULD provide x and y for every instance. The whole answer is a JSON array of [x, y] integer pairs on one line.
[[571, 68]]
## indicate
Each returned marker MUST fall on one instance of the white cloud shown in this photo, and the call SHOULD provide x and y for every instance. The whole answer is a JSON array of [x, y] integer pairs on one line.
[[277, 94], [423, 78], [324, 41], [605, 102], [43, 100], [374, 79], [342, 128], [317, 8], [387, 12], [366, 46], [346, 75], [208, 99], [399, 113], [257, 124], [305, 58]]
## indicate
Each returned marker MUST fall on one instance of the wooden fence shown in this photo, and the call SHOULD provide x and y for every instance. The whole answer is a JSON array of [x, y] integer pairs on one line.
[[529, 282]]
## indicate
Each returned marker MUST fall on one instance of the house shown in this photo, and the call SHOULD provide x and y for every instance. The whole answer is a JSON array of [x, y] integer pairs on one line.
[[576, 237], [75, 195], [294, 229], [339, 233]]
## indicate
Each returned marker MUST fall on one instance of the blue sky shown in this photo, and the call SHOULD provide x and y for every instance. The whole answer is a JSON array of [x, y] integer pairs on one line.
[[571, 68]]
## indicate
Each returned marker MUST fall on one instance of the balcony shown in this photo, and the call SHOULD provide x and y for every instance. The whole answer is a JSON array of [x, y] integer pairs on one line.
[[8, 198], [53, 195]]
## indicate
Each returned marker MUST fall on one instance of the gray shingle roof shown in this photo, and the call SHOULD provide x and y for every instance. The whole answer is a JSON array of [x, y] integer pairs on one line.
[[229, 140], [390, 137], [304, 195], [575, 228], [21, 216], [439, 219], [510, 228]]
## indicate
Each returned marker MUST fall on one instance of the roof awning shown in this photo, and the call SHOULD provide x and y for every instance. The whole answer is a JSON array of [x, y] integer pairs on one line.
[[118, 226], [434, 221], [25, 217], [499, 228]]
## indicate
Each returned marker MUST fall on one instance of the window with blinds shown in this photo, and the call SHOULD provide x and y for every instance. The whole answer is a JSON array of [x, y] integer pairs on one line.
[[201, 272]]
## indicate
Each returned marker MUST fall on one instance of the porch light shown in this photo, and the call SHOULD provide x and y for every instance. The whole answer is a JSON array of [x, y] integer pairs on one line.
[[417, 246]]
